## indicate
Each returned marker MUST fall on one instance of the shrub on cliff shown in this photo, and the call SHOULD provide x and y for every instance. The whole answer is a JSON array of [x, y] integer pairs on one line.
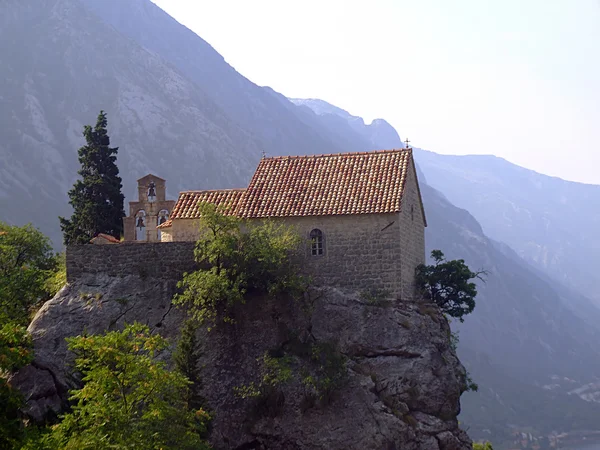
[[237, 257], [128, 398], [482, 446], [27, 262], [448, 284], [96, 199], [15, 352]]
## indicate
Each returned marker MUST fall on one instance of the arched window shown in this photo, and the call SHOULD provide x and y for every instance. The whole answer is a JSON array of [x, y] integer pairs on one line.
[[317, 243]]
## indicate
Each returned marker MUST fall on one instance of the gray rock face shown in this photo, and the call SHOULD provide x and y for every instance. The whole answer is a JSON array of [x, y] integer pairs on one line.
[[402, 380]]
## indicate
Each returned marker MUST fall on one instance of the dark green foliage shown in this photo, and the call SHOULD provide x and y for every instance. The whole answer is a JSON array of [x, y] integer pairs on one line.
[[448, 284], [330, 372], [236, 258], [187, 358], [15, 352], [96, 199], [128, 399], [26, 264]]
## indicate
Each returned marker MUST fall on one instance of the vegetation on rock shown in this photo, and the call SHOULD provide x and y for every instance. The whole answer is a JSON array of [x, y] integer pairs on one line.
[[482, 446], [28, 271], [96, 199], [186, 358], [15, 352], [448, 284], [129, 399], [27, 263], [235, 258]]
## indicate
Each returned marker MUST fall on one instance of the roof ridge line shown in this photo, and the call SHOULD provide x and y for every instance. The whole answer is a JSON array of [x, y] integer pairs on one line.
[[325, 155], [212, 190]]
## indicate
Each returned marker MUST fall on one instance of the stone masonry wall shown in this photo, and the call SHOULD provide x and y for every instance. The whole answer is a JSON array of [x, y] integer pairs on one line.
[[181, 230], [412, 235], [166, 260], [361, 252]]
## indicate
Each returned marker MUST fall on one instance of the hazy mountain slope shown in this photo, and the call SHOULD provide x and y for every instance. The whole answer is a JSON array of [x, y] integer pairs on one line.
[[520, 321], [550, 222], [282, 128], [187, 116], [523, 345], [378, 134], [61, 65]]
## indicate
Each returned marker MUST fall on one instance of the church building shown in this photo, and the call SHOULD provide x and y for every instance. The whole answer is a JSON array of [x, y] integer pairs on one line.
[[361, 214]]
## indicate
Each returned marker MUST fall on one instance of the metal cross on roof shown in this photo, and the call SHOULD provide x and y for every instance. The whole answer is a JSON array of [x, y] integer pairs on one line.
[[264, 154], [407, 142]]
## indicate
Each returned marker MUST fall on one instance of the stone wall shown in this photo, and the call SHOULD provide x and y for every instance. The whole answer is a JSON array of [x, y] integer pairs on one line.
[[181, 230], [361, 251], [412, 234], [165, 260]]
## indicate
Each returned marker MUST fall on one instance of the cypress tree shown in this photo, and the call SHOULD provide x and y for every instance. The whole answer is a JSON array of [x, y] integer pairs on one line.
[[96, 198], [187, 357]]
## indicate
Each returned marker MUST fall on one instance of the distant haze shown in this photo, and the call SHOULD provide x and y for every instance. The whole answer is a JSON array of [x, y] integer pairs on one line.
[[512, 78]]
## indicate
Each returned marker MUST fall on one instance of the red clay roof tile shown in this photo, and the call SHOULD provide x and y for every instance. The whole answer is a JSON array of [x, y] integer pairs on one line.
[[187, 204], [317, 185], [314, 185]]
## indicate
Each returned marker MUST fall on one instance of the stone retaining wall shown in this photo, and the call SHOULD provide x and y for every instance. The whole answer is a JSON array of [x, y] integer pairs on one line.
[[166, 260]]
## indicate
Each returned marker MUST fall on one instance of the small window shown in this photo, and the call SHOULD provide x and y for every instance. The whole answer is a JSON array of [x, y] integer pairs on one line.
[[412, 212], [317, 245]]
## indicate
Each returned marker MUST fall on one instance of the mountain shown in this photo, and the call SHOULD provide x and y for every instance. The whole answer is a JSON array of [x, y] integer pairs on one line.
[[550, 222], [177, 109]]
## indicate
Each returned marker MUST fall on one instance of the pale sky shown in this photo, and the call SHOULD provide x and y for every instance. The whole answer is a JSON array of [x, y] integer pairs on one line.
[[514, 78]]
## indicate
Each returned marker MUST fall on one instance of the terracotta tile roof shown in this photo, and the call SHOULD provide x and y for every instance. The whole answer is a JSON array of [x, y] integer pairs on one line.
[[167, 224], [187, 204], [107, 237], [336, 184]]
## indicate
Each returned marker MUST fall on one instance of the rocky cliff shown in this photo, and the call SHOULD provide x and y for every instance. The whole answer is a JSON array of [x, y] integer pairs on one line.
[[400, 380]]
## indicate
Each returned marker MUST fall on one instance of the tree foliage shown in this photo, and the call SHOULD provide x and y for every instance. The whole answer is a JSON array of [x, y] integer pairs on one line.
[[129, 399], [448, 284], [15, 352], [482, 446], [26, 263], [96, 198], [237, 257], [187, 359]]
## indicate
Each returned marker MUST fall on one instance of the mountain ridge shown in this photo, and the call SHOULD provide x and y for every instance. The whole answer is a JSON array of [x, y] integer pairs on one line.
[[178, 122]]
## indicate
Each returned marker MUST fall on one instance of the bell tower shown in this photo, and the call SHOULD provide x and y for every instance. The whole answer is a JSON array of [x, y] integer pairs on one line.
[[151, 210]]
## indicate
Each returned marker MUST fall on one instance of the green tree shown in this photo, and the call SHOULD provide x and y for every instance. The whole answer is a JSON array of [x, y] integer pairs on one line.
[[448, 284], [236, 257], [482, 446], [187, 359], [96, 199], [15, 352], [129, 399], [27, 262]]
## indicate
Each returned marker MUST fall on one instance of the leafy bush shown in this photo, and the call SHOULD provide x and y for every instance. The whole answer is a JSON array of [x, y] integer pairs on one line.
[[26, 263], [237, 257], [128, 399], [186, 358], [482, 446], [448, 284], [15, 352]]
